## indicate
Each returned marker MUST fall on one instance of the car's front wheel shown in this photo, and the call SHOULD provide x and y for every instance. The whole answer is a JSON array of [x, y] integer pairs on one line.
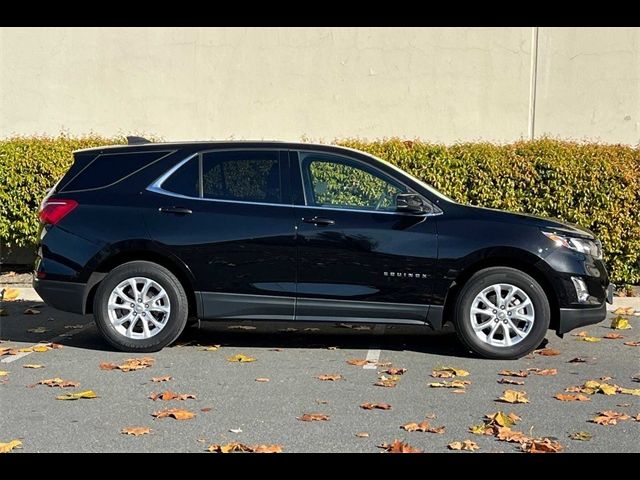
[[140, 307], [502, 313]]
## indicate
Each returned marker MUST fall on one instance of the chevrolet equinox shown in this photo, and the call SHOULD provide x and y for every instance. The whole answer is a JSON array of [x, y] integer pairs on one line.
[[148, 236]]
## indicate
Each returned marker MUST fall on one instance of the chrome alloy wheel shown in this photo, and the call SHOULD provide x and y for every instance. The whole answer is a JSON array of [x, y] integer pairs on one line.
[[139, 308], [502, 315]]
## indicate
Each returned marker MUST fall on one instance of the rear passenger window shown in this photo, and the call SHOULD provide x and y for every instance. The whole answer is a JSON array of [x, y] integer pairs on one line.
[[249, 175], [184, 181], [109, 168]]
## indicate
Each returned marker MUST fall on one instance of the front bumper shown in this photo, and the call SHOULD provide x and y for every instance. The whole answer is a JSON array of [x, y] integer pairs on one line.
[[571, 318], [65, 296]]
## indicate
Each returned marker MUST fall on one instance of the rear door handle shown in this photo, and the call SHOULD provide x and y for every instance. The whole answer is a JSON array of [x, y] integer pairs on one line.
[[175, 210], [319, 221]]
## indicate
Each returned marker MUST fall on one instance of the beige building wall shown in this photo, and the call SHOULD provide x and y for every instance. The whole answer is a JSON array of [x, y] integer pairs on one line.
[[439, 84]]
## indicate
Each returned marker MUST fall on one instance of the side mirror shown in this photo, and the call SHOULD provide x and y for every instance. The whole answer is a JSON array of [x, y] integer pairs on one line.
[[411, 202]]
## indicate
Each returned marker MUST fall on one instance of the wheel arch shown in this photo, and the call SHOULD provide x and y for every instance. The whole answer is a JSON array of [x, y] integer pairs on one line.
[[513, 258], [118, 256]]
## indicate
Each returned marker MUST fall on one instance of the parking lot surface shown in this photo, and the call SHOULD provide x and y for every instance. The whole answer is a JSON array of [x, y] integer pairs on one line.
[[231, 406]]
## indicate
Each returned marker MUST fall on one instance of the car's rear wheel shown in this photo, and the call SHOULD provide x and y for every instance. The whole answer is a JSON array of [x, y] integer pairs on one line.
[[140, 307], [502, 313]]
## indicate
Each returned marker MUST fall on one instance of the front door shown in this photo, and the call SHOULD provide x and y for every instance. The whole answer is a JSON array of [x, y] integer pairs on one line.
[[358, 258], [227, 216]]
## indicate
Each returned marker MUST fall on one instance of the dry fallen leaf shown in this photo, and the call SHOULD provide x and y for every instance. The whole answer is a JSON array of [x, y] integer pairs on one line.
[[234, 447], [210, 348], [581, 436], [623, 311], [330, 377], [507, 435], [9, 294], [448, 372], [509, 373], [547, 372], [32, 311], [541, 445], [313, 417], [450, 384], [510, 381], [629, 391], [386, 382], [620, 323], [589, 339], [33, 365], [613, 336], [3, 373], [358, 362], [74, 327], [609, 417], [129, 365], [593, 386], [547, 352], [379, 406], [464, 445], [37, 330], [395, 371], [4, 312], [483, 429], [135, 431], [362, 435], [582, 333], [632, 344], [502, 419], [177, 413], [577, 360], [88, 394], [262, 380], [7, 447], [241, 358], [567, 397], [235, 430], [398, 446], [514, 396], [422, 427], [322, 402], [267, 449], [58, 382], [205, 409], [169, 395], [332, 348], [166, 378]]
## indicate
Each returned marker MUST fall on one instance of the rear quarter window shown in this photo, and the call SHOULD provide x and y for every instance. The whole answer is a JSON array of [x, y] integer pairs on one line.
[[109, 168]]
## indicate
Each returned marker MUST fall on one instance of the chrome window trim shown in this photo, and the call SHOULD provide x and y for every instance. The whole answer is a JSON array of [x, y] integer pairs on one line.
[[156, 187]]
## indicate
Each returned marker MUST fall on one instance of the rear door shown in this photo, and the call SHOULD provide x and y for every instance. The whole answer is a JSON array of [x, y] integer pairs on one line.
[[359, 259], [228, 215]]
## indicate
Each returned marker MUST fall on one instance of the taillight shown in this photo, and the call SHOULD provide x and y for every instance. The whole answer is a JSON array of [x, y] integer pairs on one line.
[[55, 210]]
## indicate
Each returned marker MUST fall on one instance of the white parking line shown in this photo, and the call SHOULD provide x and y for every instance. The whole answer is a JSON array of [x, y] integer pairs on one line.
[[372, 359], [18, 356]]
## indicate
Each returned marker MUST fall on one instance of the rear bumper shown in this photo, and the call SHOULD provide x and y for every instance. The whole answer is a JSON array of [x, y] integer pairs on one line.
[[571, 318], [65, 296]]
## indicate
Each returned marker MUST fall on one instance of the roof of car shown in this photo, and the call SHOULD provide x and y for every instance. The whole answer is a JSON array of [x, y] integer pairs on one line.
[[219, 144]]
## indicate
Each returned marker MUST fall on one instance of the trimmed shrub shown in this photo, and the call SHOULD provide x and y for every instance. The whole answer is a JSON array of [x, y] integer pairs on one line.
[[594, 185]]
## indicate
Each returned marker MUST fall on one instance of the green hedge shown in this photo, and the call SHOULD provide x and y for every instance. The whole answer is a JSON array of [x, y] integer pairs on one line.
[[594, 185]]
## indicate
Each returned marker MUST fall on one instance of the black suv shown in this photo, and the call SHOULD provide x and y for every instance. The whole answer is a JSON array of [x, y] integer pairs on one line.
[[149, 236]]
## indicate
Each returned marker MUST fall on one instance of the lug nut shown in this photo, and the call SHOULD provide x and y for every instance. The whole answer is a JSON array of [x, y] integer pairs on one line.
[[510, 313], [133, 305], [146, 305], [504, 321], [495, 311], [502, 307], [144, 315], [139, 300]]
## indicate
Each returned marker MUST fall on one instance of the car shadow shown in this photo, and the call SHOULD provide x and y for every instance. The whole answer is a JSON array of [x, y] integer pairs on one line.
[[79, 331]]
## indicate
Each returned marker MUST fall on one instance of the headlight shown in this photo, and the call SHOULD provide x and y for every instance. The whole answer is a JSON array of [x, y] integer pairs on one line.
[[582, 245]]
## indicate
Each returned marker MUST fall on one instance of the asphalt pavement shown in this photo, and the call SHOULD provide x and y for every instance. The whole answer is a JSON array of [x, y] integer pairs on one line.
[[231, 406]]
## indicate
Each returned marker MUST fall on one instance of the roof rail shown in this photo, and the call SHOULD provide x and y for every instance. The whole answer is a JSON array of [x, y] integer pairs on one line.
[[132, 140]]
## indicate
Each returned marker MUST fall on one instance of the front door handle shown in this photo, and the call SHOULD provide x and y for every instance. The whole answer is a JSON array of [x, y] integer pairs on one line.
[[175, 210], [319, 221]]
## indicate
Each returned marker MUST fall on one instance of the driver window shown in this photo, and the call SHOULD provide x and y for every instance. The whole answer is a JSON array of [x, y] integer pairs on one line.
[[340, 183]]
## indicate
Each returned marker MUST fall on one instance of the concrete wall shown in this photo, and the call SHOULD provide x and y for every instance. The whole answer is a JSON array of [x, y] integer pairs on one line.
[[439, 84]]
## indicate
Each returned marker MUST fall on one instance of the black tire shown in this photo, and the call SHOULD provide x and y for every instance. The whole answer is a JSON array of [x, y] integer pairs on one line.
[[177, 298], [494, 275]]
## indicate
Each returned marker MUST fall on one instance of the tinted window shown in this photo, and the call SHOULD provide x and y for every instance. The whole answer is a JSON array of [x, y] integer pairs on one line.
[[109, 168], [252, 176], [337, 182], [184, 181]]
